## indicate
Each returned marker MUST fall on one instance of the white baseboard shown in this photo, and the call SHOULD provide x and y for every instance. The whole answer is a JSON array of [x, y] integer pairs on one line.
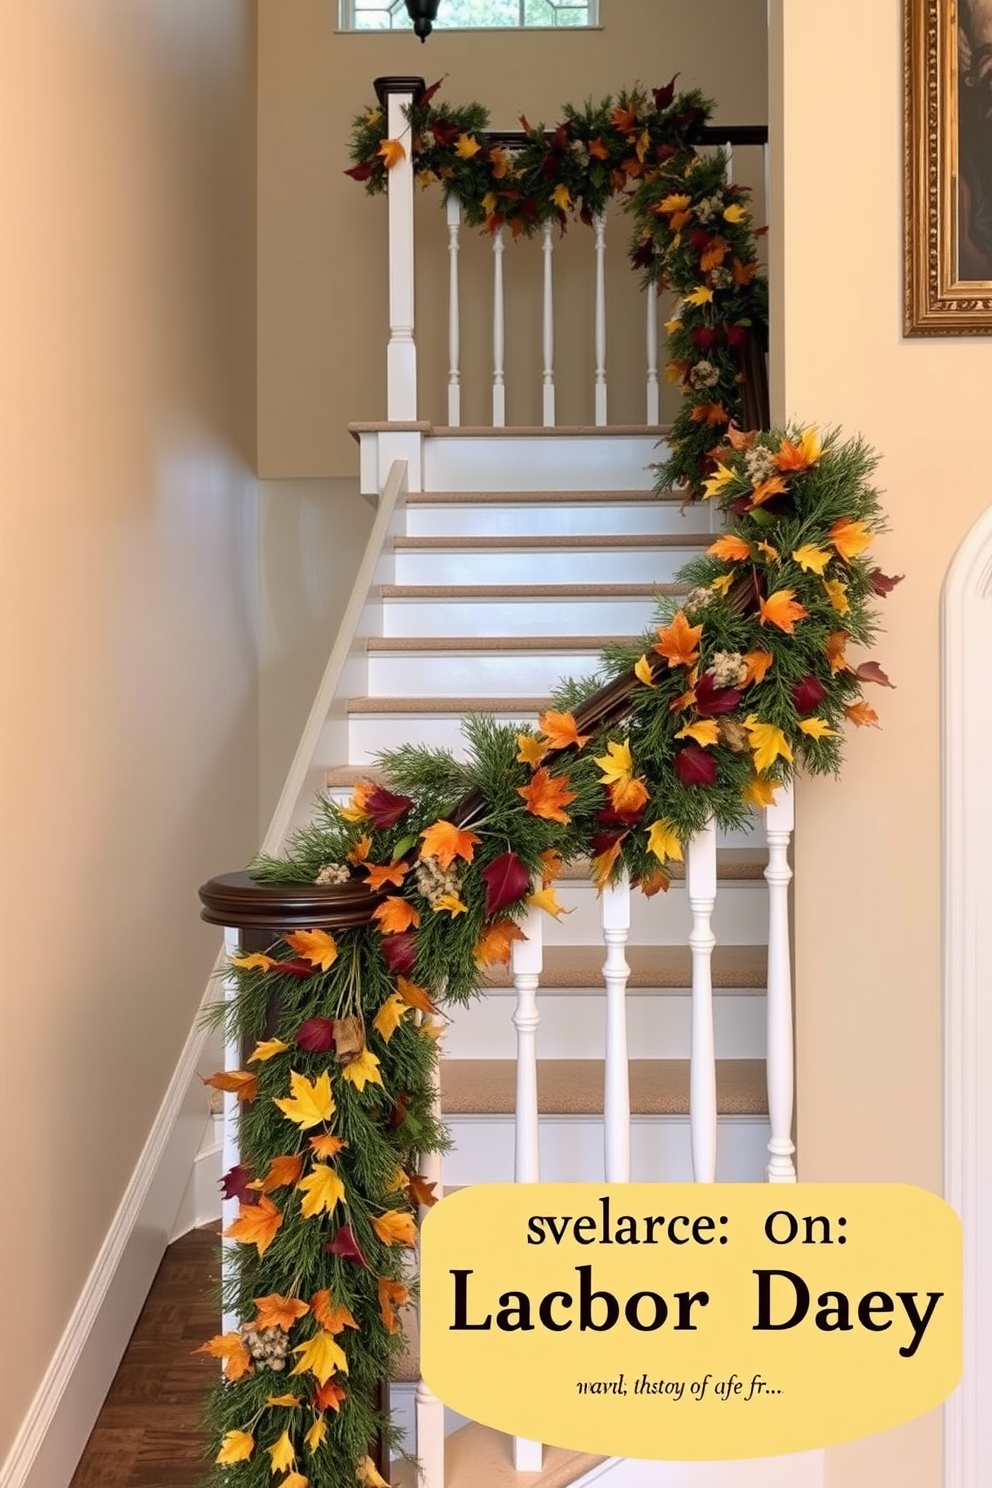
[[201, 1202], [797, 1470], [60, 1418]]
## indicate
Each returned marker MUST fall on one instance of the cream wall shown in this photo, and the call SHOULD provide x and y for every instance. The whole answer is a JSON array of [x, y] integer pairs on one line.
[[322, 243], [127, 606], [868, 850]]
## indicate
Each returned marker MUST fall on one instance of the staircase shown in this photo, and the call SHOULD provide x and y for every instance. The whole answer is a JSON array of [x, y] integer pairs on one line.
[[494, 596]]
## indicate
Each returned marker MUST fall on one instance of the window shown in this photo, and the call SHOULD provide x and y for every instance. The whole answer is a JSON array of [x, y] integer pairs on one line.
[[391, 15]]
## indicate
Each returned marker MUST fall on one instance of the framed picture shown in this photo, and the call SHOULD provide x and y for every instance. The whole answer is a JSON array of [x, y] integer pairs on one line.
[[948, 62]]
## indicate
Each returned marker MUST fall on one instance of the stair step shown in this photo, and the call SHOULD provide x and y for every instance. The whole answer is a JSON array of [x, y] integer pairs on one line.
[[531, 431], [638, 557], [539, 498], [659, 967], [592, 643], [529, 591], [574, 1087], [523, 707], [479, 1457], [557, 542]]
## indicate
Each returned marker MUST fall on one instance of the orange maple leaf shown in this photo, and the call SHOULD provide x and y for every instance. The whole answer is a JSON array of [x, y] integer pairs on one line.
[[836, 641], [780, 609], [326, 1145], [802, 455], [283, 1172], [713, 414], [740, 440], [757, 663], [395, 1227], [315, 946], [276, 1311], [713, 256], [560, 731], [766, 489], [256, 1224], [395, 915], [656, 881], [232, 1348], [546, 795], [743, 272], [359, 853], [624, 119], [392, 153], [551, 866], [683, 700], [628, 795], [392, 1294], [678, 642], [332, 1316], [598, 150], [356, 811], [242, 1082], [732, 549], [850, 538], [445, 842], [602, 864], [862, 715], [414, 996], [379, 874], [328, 1396], [493, 946], [422, 1191]]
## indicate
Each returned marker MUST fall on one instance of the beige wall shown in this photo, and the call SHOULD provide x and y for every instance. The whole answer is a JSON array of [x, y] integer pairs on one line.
[[322, 243], [127, 606], [868, 850]]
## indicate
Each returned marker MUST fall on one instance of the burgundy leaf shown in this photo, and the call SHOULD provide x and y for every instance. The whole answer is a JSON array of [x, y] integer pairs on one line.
[[695, 766], [712, 700], [297, 967], [641, 257], [346, 1246], [234, 1184], [736, 336], [399, 952], [688, 118], [704, 337], [870, 671], [611, 817], [427, 94], [444, 132], [665, 152], [637, 259], [808, 693], [361, 171], [883, 584], [316, 1035], [601, 842], [663, 96], [506, 880], [398, 1113], [699, 239], [385, 808]]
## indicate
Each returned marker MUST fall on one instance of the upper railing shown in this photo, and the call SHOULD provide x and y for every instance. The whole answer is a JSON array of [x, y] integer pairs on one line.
[[403, 401]]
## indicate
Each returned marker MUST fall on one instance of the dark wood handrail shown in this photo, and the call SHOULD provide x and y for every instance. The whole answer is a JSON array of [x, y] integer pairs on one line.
[[704, 134]]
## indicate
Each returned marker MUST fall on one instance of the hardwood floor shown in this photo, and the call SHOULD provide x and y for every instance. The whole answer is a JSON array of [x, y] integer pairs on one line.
[[147, 1435]]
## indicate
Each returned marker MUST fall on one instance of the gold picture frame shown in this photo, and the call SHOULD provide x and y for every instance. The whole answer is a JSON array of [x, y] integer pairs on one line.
[[948, 152]]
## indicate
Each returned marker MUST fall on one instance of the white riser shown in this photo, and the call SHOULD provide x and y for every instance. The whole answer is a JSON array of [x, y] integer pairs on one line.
[[369, 733], [573, 1026], [535, 519], [541, 565], [572, 1149], [739, 918], [569, 614], [539, 463], [459, 674]]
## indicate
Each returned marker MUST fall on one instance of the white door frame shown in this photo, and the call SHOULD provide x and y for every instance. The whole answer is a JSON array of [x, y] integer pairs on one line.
[[966, 722]]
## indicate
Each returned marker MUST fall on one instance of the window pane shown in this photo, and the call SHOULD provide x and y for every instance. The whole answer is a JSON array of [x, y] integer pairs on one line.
[[386, 15]]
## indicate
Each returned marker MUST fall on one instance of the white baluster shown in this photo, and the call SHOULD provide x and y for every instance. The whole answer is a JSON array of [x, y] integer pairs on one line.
[[728, 173], [779, 823], [499, 332], [652, 355], [401, 353], [231, 1150], [615, 912], [700, 878], [599, 226], [548, 338], [454, 327], [527, 962], [429, 1410]]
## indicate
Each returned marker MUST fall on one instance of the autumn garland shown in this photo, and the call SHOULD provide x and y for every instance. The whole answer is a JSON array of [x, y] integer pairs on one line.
[[693, 232], [746, 680]]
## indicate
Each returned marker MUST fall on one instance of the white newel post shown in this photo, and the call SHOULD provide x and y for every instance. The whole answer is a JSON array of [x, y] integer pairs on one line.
[[526, 965], [231, 1151], [401, 352], [599, 227], [454, 328], [779, 824], [700, 879], [615, 911], [548, 330], [651, 341], [429, 1410], [499, 332]]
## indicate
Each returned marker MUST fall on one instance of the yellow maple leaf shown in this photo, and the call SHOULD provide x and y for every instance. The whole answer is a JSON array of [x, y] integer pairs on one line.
[[392, 153], [675, 202], [715, 484], [359, 853], [547, 900], [817, 728], [255, 962], [493, 946], [277, 1311], [323, 1191], [705, 732], [644, 672], [811, 558], [703, 295], [320, 1356], [602, 864], [267, 1049], [757, 663], [772, 554], [663, 840], [616, 763], [389, 1016], [562, 197], [451, 903], [850, 538], [287, 1400], [560, 731], [362, 1071], [532, 751], [489, 203], [395, 914], [237, 1446], [861, 715], [232, 1348], [767, 742], [734, 213], [316, 1434], [837, 595], [678, 642], [310, 1101], [467, 145], [368, 1476], [315, 946], [395, 1227], [283, 1171], [399, 1181], [758, 792], [723, 583], [256, 1224], [731, 549], [356, 810], [547, 795], [446, 842], [283, 1453], [332, 1316], [294, 1480], [781, 609]]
